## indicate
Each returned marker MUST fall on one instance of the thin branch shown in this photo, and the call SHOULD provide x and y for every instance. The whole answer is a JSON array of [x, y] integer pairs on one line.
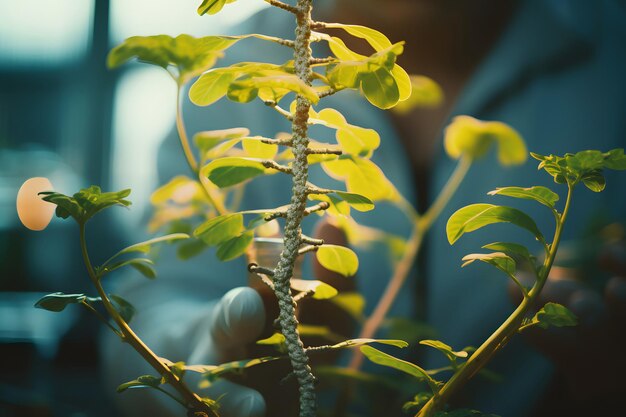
[[284, 6], [314, 189], [323, 151], [321, 61], [306, 249], [302, 295], [90, 308], [281, 142], [268, 163], [327, 93], [275, 214], [256, 269], [317, 25], [182, 134], [311, 241], [271, 103], [318, 207]]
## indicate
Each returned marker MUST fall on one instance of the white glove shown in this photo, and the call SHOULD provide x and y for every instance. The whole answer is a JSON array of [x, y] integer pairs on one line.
[[235, 320]]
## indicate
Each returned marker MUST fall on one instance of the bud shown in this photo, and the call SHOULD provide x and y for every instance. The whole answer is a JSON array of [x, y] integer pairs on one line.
[[34, 213]]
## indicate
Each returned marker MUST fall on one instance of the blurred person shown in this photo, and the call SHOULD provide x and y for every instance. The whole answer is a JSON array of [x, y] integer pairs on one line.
[[553, 70]]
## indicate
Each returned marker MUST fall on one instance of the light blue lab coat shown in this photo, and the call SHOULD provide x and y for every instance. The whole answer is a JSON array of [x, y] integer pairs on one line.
[[556, 75]]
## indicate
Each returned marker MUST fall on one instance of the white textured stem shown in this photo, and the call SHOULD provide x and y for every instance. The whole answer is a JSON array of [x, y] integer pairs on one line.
[[295, 213]]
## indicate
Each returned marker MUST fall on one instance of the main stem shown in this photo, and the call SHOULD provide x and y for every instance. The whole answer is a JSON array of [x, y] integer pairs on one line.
[[191, 399], [284, 270], [503, 334]]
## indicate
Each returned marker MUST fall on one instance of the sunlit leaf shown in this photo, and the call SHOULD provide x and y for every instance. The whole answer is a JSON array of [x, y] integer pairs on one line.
[[376, 39], [361, 176], [540, 194], [212, 6], [229, 171], [351, 302], [179, 190], [143, 265], [246, 89], [445, 349], [366, 341], [498, 259], [511, 249], [470, 137], [208, 139], [476, 216], [352, 139], [220, 229], [254, 148], [191, 56], [320, 290], [144, 381], [146, 246], [338, 259]]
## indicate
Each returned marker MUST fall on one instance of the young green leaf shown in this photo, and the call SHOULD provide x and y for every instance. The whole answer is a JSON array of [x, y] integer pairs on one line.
[[220, 229], [424, 92], [191, 56], [234, 247], [320, 290], [338, 259], [123, 307], [445, 349], [361, 176], [352, 303], [143, 265], [353, 139], [246, 89], [384, 359], [143, 381], [146, 246], [542, 195], [418, 402], [86, 203], [376, 39], [58, 301], [476, 216], [212, 6], [366, 341], [553, 314], [470, 137], [500, 260], [179, 190], [191, 248], [211, 373], [511, 249], [208, 139]]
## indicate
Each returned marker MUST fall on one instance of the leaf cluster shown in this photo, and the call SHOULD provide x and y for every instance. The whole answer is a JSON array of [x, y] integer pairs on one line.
[[86, 203]]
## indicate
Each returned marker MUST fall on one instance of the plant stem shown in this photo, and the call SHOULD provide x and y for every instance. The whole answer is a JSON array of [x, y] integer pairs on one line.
[[191, 399], [502, 335], [182, 134], [421, 226], [295, 213], [191, 159]]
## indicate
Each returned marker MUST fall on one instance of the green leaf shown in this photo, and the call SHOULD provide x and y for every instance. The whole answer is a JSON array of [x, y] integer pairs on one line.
[[229, 171], [212, 6], [511, 249], [500, 260], [275, 339], [542, 195], [384, 359], [356, 201], [418, 402], [234, 247], [353, 139], [211, 86], [145, 247], [338, 259], [220, 229], [179, 190], [361, 176], [66, 206], [276, 86], [445, 349], [254, 148], [615, 159], [366, 341], [380, 88], [123, 307], [209, 139], [341, 201], [58, 301], [143, 265], [376, 39], [553, 314], [191, 56], [476, 216], [470, 137], [86, 203], [190, 249], [143, 381], [320, 290], [424, 92], [212, 373], [594, 181]]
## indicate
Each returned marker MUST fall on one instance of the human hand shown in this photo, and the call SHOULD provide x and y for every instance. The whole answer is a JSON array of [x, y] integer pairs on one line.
[[236, 320]]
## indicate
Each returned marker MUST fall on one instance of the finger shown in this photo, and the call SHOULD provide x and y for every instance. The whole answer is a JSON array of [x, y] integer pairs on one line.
[[238, 318], [236, 400], [335, 236]]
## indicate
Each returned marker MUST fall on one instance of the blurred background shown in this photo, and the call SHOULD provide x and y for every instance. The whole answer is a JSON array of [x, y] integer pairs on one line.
[[64, 116]]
